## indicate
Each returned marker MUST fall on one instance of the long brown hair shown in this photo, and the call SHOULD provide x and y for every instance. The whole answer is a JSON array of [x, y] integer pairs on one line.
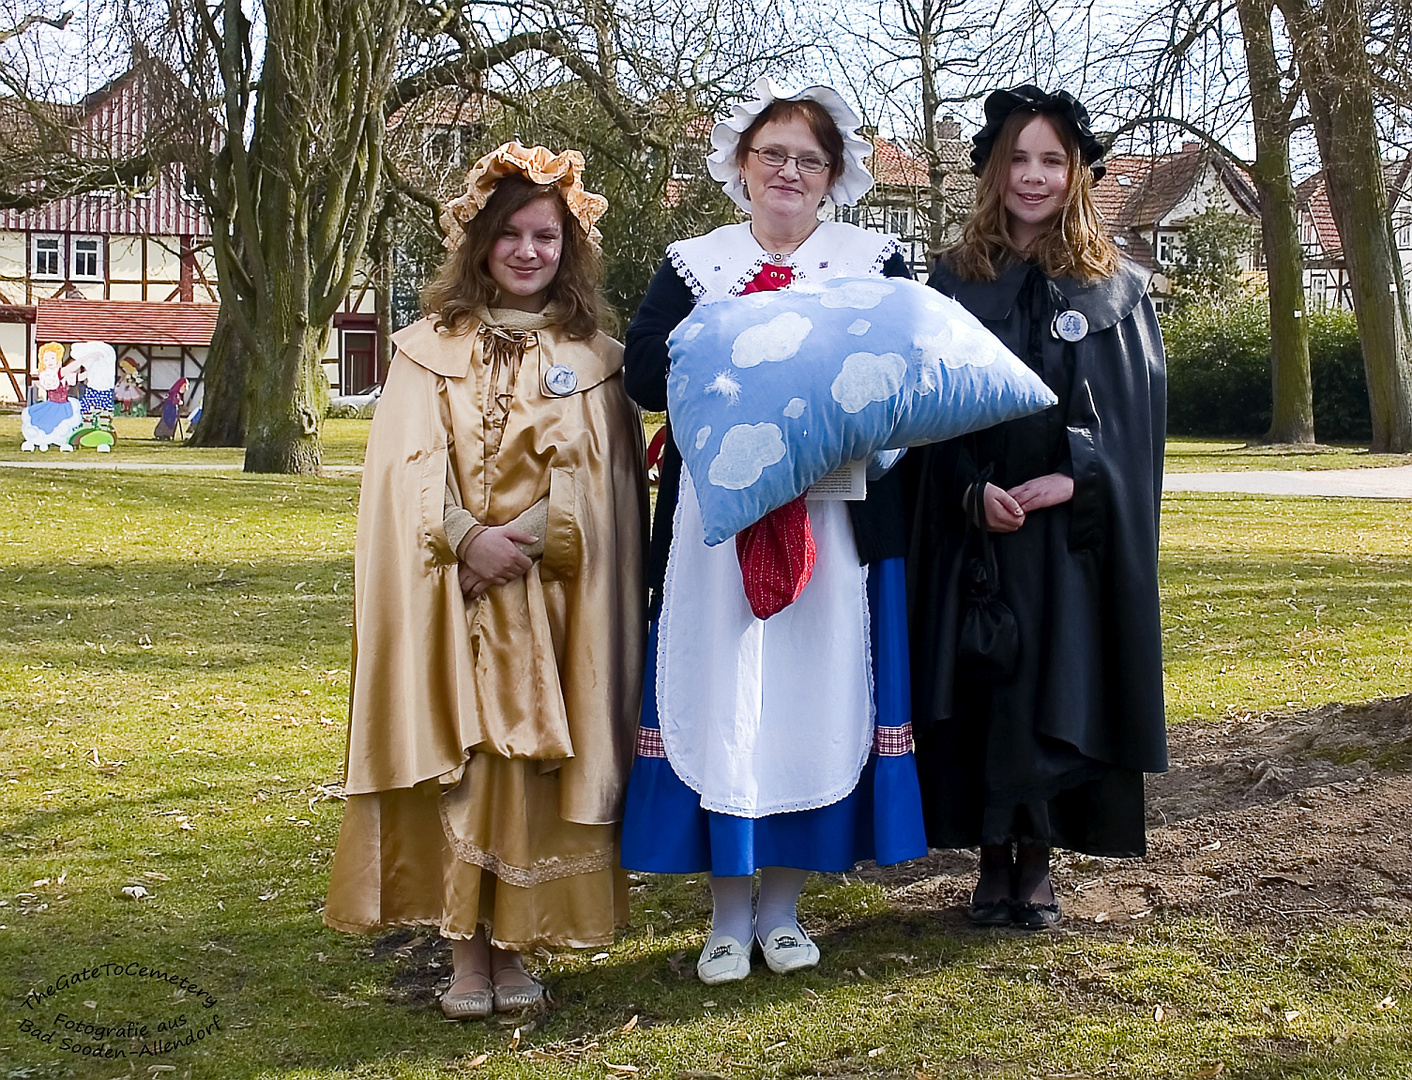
[[821, 124], [463, 286], [1075, 245]]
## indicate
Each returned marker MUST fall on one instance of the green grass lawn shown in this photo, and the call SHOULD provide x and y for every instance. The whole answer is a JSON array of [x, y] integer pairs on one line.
[[173, 674], [344, 441], [343, 445], [1191, 454]]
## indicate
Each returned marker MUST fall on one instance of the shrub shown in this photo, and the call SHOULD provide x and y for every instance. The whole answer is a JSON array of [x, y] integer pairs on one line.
[[1218, 371]]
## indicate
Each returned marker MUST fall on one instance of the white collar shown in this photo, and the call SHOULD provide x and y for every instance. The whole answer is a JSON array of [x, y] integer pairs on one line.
[[725, 260]]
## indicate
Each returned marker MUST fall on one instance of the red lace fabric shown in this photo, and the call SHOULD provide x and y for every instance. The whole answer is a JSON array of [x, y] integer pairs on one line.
[[777, 553]]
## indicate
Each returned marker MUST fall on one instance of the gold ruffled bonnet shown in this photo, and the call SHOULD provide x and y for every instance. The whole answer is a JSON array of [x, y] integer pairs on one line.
[[536, 163]]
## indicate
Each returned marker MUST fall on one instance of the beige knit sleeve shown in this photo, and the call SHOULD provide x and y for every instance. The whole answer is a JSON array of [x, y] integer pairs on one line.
[[460, 523], [457, 521]]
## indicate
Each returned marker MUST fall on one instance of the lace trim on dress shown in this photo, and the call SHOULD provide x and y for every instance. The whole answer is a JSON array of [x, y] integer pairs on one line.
[[891, 248], [523, 877], [678, 261]]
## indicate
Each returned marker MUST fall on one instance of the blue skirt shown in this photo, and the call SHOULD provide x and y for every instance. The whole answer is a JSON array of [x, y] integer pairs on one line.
[[665, 830]]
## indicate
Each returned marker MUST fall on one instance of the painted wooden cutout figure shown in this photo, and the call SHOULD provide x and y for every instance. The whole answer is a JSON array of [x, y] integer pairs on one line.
[[95, 363], [53, 421], [170, 424], [128, 394]]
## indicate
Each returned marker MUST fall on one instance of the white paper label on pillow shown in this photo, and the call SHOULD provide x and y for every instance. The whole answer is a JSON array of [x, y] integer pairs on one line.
[[847, 483]]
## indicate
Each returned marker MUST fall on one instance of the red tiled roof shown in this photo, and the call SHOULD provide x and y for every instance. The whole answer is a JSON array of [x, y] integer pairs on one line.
[[126, 322], [1312, 197], [891, 165], [1139, 190]]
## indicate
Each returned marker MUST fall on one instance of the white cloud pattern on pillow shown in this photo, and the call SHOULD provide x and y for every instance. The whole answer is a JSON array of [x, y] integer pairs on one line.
[[795, 408], [747, 450], [702, 436], [856, 294], [859, 327], [770, 342], [866, 378]]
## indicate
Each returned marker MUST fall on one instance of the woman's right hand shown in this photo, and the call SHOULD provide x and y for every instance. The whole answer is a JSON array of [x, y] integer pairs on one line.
[[491, 557], [1002, 512]]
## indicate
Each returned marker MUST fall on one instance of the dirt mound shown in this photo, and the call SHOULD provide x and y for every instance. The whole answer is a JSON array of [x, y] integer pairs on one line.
[[1279, 820]]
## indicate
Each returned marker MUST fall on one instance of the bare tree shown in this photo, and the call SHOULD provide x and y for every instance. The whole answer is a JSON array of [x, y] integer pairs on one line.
[[1272, 107], [1210, 69], [1330, 42]]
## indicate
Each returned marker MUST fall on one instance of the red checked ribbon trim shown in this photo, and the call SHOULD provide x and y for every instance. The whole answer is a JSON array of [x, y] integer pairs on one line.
[[649, 743], [887, 742], [892, 741]]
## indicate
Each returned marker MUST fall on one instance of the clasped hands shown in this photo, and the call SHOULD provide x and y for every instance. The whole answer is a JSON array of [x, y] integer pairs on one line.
[[491, 556], [1005, 510]]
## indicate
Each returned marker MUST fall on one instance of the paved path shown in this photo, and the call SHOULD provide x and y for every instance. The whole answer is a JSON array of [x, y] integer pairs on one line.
[[1390, 483], [97, 464]]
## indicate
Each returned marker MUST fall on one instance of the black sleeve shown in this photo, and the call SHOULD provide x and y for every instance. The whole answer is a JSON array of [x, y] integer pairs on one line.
[[645, 362], [896, 266]]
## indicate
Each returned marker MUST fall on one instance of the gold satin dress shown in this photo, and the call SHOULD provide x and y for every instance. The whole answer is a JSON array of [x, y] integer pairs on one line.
[[490, 740]]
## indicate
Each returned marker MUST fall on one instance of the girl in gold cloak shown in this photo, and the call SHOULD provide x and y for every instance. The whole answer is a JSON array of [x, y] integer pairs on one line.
[[498, 606]]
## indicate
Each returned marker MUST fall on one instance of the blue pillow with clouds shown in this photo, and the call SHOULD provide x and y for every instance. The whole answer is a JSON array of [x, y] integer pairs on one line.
[[770, 392]]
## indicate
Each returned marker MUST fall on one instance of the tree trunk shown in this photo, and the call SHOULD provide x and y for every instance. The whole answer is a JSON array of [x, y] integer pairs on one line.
[[925, 32], [222, 420], [286, 400], [294, 205], [1330, 47], [1292, 418]]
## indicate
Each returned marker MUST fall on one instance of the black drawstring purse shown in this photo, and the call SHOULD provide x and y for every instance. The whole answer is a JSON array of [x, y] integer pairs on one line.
[[989, 642]]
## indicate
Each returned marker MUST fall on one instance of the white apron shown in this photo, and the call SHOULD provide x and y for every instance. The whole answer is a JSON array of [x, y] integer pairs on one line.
[[764, 716]]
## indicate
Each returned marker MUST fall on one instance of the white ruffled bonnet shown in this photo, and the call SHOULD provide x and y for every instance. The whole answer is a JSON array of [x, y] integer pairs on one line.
[[725, 137]]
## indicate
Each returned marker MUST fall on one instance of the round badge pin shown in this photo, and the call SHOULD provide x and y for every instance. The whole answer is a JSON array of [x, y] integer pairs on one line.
[[1070, 325], [561, 380]]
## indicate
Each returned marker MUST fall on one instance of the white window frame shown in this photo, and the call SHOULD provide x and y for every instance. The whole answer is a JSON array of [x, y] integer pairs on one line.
[[189, 191], [850, 215], [98, 254], [897, 222], [1404, 232], [451, 151], [1172, 242], [1319, 289], [58, 241]]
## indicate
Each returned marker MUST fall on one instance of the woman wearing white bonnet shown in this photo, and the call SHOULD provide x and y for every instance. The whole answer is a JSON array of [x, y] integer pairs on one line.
[[775, 731]]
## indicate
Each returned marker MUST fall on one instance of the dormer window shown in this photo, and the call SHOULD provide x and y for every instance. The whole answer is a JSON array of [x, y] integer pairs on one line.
[[1125, 181], [1169, 247]]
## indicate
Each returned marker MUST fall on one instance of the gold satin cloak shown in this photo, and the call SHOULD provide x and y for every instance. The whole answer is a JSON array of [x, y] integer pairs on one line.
[[494, 738]]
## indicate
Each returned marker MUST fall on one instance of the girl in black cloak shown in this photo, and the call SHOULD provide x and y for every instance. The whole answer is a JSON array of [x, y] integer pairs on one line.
[[1046, 748]]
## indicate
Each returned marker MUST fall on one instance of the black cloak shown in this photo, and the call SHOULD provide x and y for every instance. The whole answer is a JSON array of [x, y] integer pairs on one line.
[[1056, 753]]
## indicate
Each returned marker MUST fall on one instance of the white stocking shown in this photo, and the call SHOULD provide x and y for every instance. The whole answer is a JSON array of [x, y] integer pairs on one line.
[[780, 887], [730, 906]]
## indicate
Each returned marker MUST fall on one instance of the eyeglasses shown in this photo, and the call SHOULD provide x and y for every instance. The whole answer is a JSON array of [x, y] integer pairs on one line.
[[776, 158]]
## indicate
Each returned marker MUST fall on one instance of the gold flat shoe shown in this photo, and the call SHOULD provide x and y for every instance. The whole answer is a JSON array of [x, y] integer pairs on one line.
[[515, 998], [470, 1004]]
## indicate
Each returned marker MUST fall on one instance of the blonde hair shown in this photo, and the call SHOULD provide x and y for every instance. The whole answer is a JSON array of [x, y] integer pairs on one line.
[[1075, 245]]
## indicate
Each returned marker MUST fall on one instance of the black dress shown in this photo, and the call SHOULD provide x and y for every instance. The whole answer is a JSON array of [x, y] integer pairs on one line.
[[1054, 755]]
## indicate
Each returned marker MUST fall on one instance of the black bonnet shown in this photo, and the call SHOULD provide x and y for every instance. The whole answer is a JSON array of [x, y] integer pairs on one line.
[[1000, 104]]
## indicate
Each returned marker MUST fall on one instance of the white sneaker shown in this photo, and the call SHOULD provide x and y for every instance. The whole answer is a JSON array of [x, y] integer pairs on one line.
[[787, 949], [723, 960]]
